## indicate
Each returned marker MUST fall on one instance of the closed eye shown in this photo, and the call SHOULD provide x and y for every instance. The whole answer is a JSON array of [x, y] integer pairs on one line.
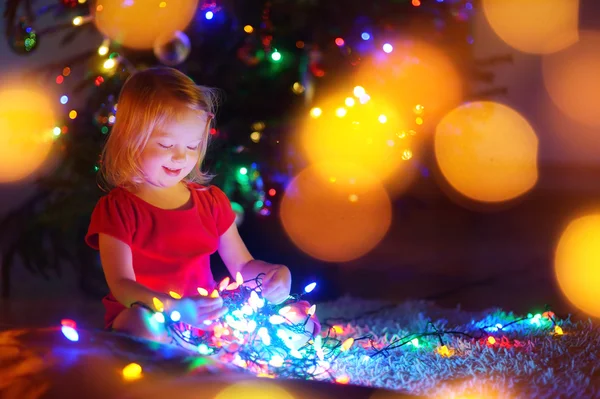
[[193, 148], [165, 146]]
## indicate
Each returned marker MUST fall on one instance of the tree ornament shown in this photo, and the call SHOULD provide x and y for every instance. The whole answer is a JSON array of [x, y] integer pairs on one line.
[[173, 48], [251, 52], [315, 62], [105, 116], [69, 3], [23, 38]]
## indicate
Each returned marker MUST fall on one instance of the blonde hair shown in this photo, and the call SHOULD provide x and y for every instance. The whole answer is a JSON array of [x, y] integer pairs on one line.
[[149, 100]]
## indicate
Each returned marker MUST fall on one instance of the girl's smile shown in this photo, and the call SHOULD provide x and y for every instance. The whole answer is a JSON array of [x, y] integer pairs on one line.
[[172, 172]]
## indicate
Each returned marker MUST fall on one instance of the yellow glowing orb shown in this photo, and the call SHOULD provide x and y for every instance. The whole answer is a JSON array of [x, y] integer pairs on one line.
[[487, 151], [335, 219], [577, 263], [365, 134], [26, 132], [138, 23], [572, 80], [254, 390], [534, 26]]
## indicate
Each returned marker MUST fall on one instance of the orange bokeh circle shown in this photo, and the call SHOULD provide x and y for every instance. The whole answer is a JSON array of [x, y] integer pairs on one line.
[[572, 79], [487, 151], [577, 263], [27, 120], [335, 219], [136, 24], [414, 74], [534, 26]]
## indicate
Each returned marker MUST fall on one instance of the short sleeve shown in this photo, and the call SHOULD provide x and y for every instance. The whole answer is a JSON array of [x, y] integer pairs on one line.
[[112, 216], [221, 210]]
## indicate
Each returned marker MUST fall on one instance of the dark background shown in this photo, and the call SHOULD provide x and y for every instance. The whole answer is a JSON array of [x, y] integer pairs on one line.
[[437, 248]]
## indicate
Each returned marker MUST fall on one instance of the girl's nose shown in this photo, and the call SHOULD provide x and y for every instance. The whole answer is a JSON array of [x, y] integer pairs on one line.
[[178, 156]]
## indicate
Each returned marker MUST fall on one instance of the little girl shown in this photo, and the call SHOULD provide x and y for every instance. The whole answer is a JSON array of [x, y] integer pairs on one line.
[[160, 223]]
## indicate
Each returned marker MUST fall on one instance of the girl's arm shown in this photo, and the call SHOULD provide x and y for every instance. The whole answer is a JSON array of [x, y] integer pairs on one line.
[[117, 264], [237, 258]]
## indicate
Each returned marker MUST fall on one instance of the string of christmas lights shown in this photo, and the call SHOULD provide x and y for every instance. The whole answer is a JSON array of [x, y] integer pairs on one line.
[[286, 341]]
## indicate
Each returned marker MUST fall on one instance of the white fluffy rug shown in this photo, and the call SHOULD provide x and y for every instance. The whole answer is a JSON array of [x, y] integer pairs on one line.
[[532, 361]]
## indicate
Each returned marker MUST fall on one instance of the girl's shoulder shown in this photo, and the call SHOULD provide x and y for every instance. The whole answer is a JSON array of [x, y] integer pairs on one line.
[[119, 194], [118, 198], [197, 186], [210, 190], [213, 201], [212, 194]]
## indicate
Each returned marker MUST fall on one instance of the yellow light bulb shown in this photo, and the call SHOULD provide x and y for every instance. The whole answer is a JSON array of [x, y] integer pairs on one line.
[[239, 278], [223, 284], [132, 371], [558, 330], [158, 305], [359, 91], [109, 64], [347, 344], [316, 112], [255, 137]]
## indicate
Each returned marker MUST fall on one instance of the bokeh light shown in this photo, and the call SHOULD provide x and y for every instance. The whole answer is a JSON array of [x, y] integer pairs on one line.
[[534, 26], [254, 390], [572, 141], [487, 151], [369, 134], [27, 123], [337, 218], [137, 25], [577, 263], [572, 80], [414, 73]]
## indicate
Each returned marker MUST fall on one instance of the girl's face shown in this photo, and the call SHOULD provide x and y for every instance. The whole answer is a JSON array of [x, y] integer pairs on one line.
[[172, 152]]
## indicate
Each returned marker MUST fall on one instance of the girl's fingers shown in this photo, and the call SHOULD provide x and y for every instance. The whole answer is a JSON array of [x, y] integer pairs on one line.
[[215, 314], [277, 296], [271, 287], [207, 304]]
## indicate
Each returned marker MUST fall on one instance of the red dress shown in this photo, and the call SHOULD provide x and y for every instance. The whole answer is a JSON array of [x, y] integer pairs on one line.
[[171, 248]]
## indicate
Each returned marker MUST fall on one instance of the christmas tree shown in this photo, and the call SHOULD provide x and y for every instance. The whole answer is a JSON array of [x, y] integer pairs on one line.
[[271, 60]]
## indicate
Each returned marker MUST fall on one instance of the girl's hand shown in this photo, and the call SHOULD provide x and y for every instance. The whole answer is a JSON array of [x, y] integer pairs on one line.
[[276, 284], [196, 310]]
